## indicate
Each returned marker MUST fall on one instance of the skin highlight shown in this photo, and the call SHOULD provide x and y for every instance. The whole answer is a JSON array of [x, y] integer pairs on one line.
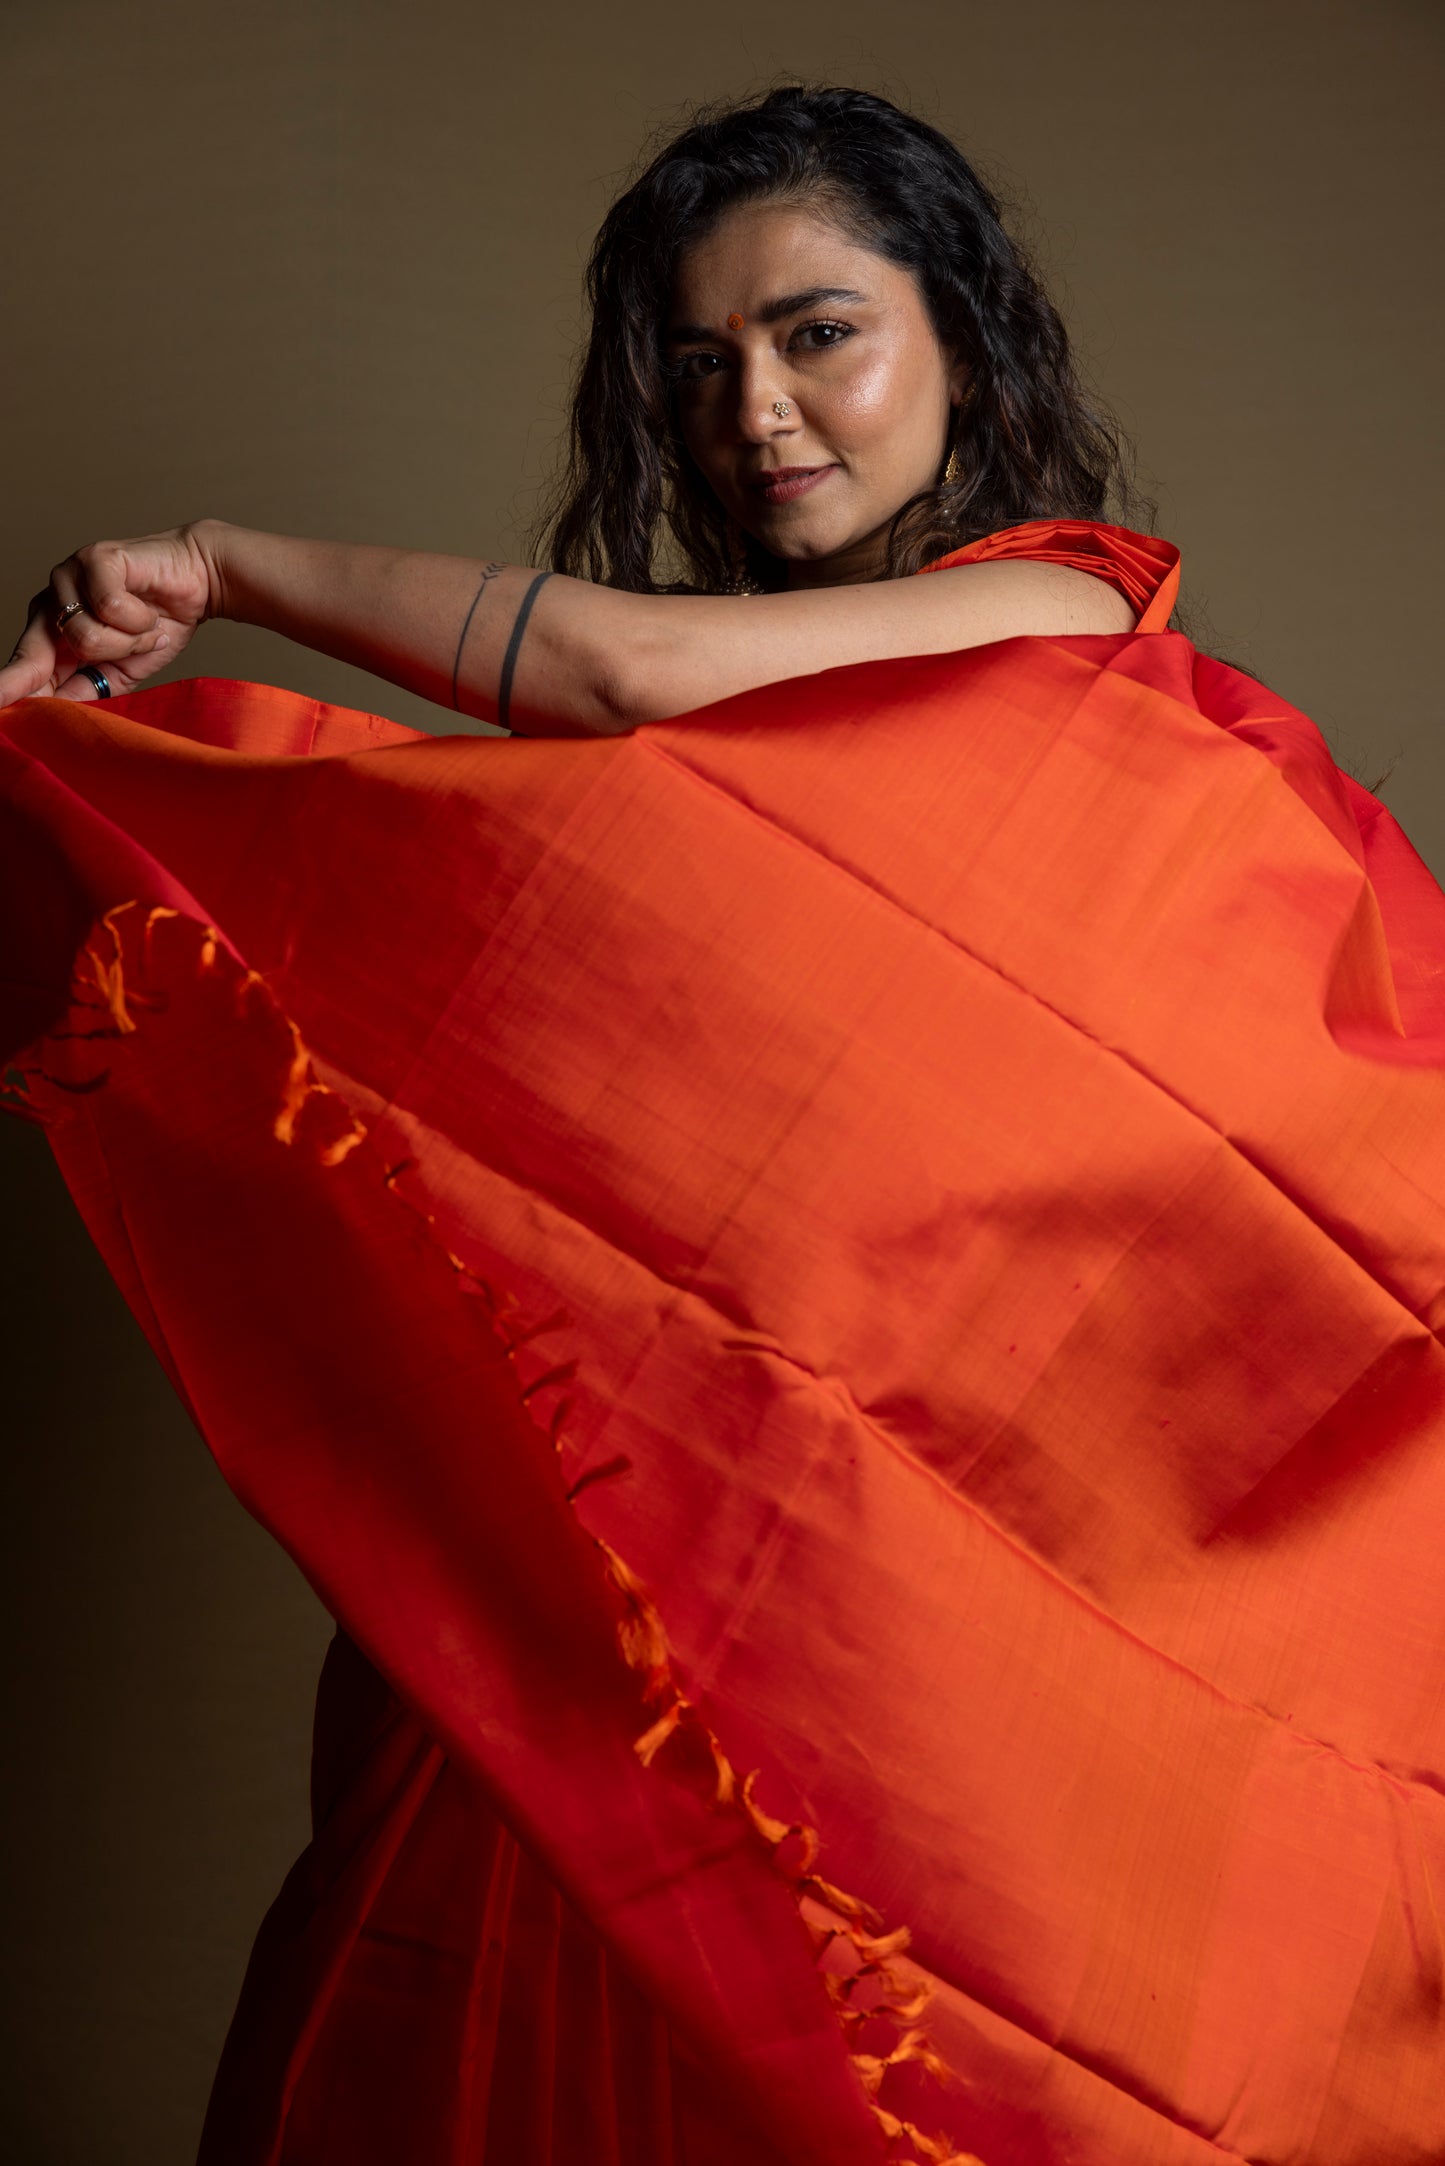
[[843, 336]]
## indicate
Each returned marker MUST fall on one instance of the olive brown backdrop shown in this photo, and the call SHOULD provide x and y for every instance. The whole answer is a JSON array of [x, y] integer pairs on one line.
[[314, 265]]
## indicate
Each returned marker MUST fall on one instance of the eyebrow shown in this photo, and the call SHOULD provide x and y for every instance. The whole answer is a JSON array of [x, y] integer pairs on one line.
[[787, 304]]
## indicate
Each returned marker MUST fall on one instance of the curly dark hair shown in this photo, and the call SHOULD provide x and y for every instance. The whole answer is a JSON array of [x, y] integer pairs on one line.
[[1030, 443]]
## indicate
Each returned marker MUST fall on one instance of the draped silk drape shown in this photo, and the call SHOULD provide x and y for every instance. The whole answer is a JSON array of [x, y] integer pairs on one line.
[[842, 1297]]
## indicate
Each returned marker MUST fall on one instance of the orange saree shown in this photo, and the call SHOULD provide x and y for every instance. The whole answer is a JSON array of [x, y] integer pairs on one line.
[[842, 1297]]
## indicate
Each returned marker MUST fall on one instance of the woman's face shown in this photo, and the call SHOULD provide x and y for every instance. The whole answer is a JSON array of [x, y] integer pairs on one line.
[[778, 306]]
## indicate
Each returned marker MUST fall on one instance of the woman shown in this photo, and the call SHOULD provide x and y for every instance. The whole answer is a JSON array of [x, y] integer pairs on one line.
[[797, 392], [944, 1139]]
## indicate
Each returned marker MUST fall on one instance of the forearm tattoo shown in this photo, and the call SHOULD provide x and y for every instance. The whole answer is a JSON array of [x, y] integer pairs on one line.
[[489, 573], [509, 659]]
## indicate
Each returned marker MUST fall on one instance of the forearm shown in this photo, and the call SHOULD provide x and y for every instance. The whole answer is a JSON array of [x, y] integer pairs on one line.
[[502, 642]]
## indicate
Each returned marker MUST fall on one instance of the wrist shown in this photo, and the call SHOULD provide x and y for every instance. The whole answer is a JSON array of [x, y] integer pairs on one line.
[[210, 538]]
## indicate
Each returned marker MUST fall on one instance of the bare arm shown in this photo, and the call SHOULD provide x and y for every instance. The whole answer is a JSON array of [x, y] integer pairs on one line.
[[552, 655], [540, 653], [449, 628], [691, 650]]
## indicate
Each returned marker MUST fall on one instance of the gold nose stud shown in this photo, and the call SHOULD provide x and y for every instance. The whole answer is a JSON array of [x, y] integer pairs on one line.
[[781, 408]]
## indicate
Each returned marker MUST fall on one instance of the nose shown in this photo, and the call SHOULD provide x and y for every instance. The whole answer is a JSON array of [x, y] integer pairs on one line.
[[761, 391]]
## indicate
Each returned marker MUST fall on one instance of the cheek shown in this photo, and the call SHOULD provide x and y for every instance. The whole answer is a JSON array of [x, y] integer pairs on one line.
[[881, 397], [867, 399]]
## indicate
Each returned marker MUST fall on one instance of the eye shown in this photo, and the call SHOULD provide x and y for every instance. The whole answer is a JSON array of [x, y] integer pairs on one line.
[[690, 368], [822, 333]]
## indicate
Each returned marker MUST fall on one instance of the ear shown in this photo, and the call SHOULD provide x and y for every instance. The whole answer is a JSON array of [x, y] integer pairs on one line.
[[960, 382]]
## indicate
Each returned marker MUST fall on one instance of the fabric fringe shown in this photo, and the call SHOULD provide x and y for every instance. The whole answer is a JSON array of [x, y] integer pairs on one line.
[[100, 984]]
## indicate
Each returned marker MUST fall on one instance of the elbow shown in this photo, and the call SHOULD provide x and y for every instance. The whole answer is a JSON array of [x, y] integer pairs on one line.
[[613, 705], [641, 678]]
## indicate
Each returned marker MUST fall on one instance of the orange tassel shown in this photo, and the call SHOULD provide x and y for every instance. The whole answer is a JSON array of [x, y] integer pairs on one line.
[[652, 1741]]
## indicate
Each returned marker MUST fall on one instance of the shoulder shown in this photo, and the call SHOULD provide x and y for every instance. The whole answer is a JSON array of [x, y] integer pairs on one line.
[[1142, 568], [1023, 595]]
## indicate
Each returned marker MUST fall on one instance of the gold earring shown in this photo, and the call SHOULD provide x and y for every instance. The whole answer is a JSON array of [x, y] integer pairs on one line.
[[953, 472]]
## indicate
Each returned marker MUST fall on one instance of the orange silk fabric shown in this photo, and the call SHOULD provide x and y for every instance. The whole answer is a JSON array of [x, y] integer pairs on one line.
[[939, 1166], [1142, 568]]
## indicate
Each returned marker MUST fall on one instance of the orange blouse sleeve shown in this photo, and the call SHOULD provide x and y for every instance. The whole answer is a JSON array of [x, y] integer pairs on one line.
[[1142, 568]]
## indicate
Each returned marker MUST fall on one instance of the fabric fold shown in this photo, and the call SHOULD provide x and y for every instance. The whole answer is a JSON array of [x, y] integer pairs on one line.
[[884, 1241]]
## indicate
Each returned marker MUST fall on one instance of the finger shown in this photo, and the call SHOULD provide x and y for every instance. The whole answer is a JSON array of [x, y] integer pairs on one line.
[[50, 672], [33, 667], [104, 576], [18, 680], [88, 638], [31, 680], [78, 686], [62, 606], [91, 609], [119, 677]]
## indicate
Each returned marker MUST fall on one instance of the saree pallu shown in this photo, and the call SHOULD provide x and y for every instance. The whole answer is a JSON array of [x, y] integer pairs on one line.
[[842, 1297]]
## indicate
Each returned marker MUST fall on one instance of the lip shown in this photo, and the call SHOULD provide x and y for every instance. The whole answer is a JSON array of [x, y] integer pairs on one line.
[[785, 483]]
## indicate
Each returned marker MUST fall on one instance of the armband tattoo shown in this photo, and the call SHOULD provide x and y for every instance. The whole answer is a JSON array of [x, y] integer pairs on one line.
[[489, 573], [509, 659]]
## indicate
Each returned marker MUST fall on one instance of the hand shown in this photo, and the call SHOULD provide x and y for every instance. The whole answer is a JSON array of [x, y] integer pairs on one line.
[[141, 600]]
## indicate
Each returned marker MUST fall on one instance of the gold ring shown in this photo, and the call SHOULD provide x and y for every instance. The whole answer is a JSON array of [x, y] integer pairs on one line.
[[71, 609]]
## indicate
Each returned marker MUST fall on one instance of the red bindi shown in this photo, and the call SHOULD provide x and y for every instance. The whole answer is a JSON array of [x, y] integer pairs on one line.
[[735, 322]]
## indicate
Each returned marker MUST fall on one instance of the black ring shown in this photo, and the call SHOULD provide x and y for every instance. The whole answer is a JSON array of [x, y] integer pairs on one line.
[[97, 677]]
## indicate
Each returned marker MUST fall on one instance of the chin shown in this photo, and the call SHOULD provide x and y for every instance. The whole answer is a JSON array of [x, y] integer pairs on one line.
[[800, 544]]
